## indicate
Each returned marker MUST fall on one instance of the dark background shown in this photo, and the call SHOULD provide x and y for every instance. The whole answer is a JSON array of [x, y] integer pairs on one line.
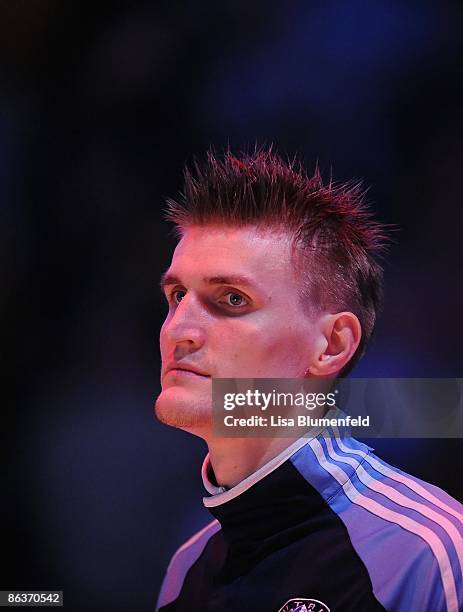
[[100, 105]]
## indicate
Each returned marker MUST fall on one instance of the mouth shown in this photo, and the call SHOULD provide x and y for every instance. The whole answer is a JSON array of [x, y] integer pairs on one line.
[[180, 371]]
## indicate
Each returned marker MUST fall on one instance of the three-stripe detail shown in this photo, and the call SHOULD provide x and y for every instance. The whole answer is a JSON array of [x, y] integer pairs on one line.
[[376, 508]]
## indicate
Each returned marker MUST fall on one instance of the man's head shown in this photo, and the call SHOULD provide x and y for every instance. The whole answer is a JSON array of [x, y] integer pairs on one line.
[[274, 276]]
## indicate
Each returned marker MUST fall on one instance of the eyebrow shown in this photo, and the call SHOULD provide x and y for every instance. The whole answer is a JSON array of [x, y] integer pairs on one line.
[[170, 279]]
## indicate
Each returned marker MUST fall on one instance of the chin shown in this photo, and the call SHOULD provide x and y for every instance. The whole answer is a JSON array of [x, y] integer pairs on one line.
[[180, 407]]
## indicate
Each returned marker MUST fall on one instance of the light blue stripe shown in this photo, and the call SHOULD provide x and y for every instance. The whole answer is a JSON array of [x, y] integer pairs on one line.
[[396, 559]]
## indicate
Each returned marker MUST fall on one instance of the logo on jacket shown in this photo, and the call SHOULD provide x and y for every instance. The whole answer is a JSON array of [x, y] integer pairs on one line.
[[300, 604]]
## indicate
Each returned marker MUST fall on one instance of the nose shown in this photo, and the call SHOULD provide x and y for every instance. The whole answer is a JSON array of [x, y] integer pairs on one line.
[[184, 328]]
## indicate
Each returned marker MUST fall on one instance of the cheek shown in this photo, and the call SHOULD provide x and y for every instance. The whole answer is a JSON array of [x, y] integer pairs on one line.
[[288, 347], [270, 351], [163, 343]]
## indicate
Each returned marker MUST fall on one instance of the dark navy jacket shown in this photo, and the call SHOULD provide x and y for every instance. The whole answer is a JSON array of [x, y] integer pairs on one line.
[[326, 525]]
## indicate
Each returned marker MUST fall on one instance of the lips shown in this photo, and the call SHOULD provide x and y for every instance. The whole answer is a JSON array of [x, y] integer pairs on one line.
[[187, 369]]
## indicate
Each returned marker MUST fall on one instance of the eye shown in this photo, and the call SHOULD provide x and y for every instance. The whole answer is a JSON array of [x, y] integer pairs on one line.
[[235, 299], [178, 295]]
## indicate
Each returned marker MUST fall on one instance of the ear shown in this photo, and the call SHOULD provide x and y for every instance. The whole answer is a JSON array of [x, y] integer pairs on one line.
[[338, 338]]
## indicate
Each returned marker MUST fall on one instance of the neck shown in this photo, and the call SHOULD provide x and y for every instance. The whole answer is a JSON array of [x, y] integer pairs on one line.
[[234, 459]]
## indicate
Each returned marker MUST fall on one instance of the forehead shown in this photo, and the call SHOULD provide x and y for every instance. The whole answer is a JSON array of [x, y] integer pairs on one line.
[[213, 250]]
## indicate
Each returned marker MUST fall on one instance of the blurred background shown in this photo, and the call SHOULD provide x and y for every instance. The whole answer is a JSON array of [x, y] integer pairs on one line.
[[100, 106]]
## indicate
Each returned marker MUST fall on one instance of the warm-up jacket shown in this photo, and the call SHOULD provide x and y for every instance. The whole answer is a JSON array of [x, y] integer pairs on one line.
[[326, 525]]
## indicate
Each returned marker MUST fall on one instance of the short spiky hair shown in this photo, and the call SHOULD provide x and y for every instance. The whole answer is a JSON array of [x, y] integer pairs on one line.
[[335, 237]]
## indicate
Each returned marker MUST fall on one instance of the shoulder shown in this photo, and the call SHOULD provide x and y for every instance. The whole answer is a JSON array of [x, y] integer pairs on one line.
[[182, 560], [426, 529], [408, 533]]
